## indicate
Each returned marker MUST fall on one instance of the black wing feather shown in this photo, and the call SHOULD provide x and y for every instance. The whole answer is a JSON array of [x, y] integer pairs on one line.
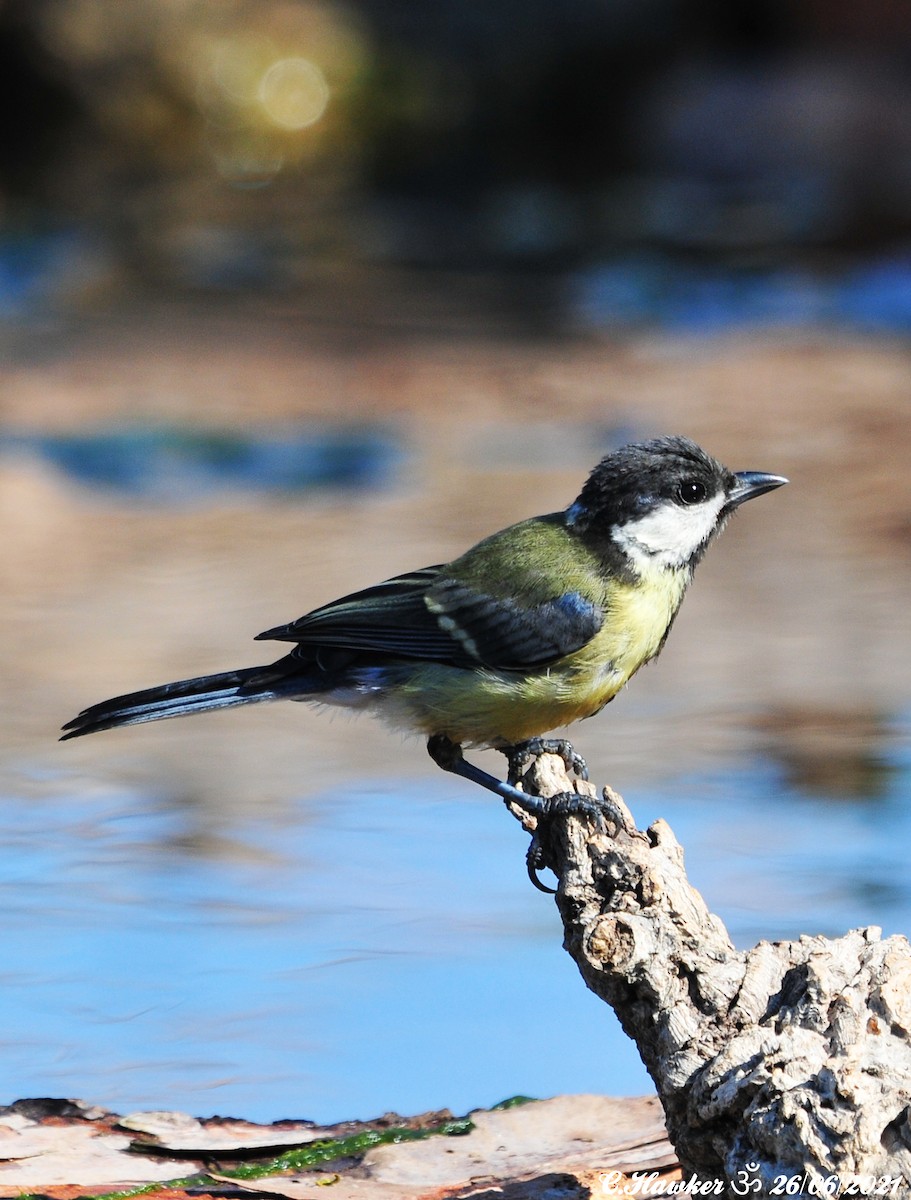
[[390, 618], [426, 615], [509, 636]]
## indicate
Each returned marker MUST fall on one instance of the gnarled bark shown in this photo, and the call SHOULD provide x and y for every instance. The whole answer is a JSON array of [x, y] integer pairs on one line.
[[792, 1059]]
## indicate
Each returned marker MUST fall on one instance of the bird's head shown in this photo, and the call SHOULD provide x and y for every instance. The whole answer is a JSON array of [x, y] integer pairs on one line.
[[661, 502]]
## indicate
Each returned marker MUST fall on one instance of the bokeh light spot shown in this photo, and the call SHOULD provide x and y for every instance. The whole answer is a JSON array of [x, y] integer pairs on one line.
[[294, 93], [237, 66]]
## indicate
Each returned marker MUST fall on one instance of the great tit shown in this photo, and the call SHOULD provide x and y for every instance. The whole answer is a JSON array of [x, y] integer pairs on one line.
[[533, 628]]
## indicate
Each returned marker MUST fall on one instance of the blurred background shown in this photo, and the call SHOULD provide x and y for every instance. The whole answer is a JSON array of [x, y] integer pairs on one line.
[[295, 296]]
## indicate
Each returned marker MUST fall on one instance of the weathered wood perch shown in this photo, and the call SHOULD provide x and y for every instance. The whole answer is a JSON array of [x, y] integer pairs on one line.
[[792, 1059]]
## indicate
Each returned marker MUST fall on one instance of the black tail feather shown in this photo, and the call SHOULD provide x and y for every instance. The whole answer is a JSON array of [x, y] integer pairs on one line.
[[250, 685]]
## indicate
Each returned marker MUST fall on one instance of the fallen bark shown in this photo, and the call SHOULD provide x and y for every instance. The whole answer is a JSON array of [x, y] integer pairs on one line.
[[788, 1061], [565, 1147]]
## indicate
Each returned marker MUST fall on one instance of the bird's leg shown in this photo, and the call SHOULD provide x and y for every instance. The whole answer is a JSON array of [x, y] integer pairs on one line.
[[523, 754], [448, 755]]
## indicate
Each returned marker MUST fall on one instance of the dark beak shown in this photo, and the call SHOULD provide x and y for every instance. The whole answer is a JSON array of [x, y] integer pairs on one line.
[[750, 484]]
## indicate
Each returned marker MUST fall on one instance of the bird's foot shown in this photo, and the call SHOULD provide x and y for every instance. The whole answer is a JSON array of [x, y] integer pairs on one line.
[[520, 756], [563, 804]]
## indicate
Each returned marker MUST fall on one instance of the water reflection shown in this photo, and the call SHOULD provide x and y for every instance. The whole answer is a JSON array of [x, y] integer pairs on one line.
[[375, 948], [176, 463], [350, 965], [833, 752], [782, 860]]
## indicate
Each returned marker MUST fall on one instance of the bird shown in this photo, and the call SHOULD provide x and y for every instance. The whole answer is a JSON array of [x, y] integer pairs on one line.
[[533, 628]]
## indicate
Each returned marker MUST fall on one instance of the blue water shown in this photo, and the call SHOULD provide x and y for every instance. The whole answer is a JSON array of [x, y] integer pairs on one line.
[[641, 288], [176, 463], [352, 964], [655, 290], [373, 950]]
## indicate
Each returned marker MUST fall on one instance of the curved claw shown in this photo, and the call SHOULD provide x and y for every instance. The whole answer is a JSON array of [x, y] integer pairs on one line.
[[562, 804], [571, 804], [521, 755], [534, 862]]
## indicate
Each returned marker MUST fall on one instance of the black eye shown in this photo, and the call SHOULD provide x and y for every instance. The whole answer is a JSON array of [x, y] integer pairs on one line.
[[692, 491]]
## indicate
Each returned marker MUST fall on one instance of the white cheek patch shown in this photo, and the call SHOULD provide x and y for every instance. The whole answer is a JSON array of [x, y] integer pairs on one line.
[[670, 534]]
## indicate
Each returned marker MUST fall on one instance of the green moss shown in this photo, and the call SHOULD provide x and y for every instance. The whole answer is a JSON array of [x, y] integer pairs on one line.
[[512, 1102], [302, 1158], [316, 1154]]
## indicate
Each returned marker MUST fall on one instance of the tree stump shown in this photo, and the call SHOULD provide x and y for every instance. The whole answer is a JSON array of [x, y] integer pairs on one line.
[[790, 1060]]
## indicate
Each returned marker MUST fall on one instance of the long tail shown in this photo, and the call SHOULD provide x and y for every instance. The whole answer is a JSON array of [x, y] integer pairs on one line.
[[251, 685]]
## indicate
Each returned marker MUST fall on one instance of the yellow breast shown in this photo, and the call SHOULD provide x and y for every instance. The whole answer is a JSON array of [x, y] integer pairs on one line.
[[483, 707]]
